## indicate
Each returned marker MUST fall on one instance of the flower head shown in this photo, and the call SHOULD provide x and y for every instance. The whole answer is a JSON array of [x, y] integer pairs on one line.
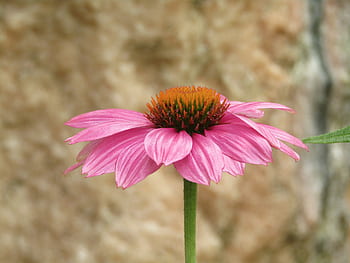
[[192, 109], [195, 128]]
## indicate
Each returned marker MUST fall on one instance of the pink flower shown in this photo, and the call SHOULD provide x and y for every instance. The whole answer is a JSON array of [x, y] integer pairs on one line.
[[195, 128]]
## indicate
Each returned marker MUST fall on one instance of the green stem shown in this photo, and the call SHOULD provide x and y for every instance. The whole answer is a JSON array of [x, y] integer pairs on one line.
[[190, 204]]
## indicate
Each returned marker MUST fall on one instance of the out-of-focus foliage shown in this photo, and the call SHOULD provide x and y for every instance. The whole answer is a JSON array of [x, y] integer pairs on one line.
[[338, 136]]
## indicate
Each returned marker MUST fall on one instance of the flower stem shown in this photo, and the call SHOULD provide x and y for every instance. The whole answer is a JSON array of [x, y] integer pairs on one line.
[[190, 204]]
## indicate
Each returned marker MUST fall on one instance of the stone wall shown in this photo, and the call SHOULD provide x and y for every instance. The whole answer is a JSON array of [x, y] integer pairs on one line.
[[62, 58]]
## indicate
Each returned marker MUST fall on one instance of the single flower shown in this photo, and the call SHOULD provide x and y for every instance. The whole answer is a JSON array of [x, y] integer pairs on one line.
[[195, 128]]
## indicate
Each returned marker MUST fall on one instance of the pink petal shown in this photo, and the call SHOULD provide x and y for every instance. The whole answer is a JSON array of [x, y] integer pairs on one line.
[[233, 167], [82, 156], [133, 165], [106, 129], [284, 148], [233, 105], [241, 143], [103, 168], [251, 107], [223, 98], [88, 148], [73, 167], [93, 118], [241, 120], [103, 158], [166, 145], [250, 113], [256, 114], [284, 136], [204, 162]]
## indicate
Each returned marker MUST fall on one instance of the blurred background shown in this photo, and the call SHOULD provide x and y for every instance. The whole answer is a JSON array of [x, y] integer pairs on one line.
[[62, 58]]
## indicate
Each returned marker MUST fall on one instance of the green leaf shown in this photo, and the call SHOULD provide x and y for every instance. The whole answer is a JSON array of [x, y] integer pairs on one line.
[[338, 136]]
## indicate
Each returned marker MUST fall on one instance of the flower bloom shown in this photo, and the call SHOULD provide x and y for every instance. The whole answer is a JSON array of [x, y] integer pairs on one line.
[[195, 128]]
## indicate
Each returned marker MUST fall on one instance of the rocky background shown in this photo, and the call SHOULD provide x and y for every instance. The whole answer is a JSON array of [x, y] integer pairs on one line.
[[62, 58]]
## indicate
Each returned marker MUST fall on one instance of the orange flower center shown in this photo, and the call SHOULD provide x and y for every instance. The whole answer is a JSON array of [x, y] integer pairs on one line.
[[192, 109]]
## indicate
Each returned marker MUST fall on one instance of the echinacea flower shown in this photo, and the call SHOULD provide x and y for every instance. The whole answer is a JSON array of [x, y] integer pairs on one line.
[[195, 128]]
